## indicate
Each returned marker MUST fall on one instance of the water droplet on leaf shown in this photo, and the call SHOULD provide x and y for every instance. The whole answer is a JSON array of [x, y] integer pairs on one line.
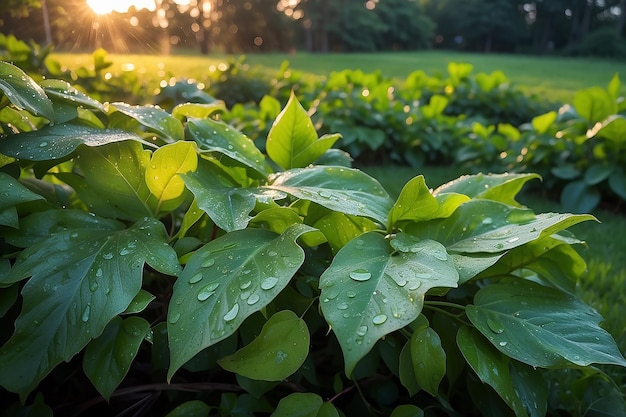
[[174, 318], [379, 319], [232, 313], [269, 283], [253, 299], [361, 331], [495, 325], [196, 278], [360, 275], [209, 262]]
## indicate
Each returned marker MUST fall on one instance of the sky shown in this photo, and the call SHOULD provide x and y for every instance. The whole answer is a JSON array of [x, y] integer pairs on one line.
[[107, 6]]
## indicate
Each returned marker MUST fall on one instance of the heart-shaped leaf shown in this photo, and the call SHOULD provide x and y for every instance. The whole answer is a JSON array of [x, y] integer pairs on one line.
[[107, 359], [81, 279], [428, 359], [368, 292], [59, 141], [345, 190], [166, 165], [226, 281], [154, 118], [276, 353], [542, 326], [292, 141], [215, 136], [24, 92]]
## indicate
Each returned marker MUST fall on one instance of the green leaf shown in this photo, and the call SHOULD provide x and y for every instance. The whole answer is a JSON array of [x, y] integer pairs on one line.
[[140, 302], [166, 165], [81, 279], [154, 118], [415, 203], [498, 187], [24, 92], [215, 136], [554, 260], [614, 87], [226, 281], [428, 359], [193, 408], [565, 171], [579, 197], [408, 379], [617, 182], [491, 366], [276, 353], [292, 141], [113, 182], [62, 91], [613, 129], [543, 122], [13, 193], [341, 189], [407, 410], [491, 227], [226, 203], [299, 404], [367, 292], [542, 326], [531, 388], [59, 141], [597, 173], [40, 226], [594, 104], [339, 228], [197, 110], [107, 359]]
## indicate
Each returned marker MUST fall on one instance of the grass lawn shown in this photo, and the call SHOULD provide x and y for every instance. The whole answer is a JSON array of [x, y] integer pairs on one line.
[[554, 78]]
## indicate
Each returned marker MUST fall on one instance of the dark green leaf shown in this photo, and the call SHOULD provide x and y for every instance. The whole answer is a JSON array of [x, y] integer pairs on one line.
[[64, 92], [299, 405], [491, 227], [531, 388], [107, 359], [193, 408], [140, 302], [542, 326], [276, 353], [407, 410], [59, 141], [226, 203], [597, 173], [81, 279], [578, 197], [24, 92], [407, 372], [617, 182], [368, 293], [428, 359], [214, 136], [491, 366], [565, 171], [12, 193], [341, 189], [226, 281], [155, 119]]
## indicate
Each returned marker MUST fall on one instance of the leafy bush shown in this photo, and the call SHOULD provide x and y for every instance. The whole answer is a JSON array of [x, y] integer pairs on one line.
[[163, 252], [605, 42]]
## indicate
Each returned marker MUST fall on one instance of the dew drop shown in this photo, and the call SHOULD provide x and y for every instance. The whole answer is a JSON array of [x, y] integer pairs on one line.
[[342, 306], [272, 253], [503, 343], [361, 331], [43, 144], [207, 291], [379, 319], [269, 283], [232, 313], [245, 285], [209, 262], [125, 251], [86, 313], [253, 299], [174, 318], [108, 256], [195, 278], [93, 286], [495, 325], [487, 220], [513, 240], [442, 256], [99, 272], [350, 294], [360, 275], [324, 194]]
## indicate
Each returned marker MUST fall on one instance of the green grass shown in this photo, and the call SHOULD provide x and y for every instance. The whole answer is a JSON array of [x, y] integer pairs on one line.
[[553, 78]]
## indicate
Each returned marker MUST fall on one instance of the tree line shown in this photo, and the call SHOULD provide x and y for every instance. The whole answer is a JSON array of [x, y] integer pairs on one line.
[[245, 26]]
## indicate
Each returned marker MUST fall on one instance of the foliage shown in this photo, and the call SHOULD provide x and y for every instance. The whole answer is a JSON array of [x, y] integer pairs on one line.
[[165, 246]]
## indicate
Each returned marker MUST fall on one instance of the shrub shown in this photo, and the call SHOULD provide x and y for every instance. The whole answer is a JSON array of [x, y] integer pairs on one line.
[[146, 252]]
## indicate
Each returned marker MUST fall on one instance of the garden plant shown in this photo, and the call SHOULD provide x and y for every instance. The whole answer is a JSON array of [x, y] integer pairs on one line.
[[158, 262]]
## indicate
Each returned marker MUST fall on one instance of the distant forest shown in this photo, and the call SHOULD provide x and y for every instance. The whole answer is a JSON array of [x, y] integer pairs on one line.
[[572, 27]]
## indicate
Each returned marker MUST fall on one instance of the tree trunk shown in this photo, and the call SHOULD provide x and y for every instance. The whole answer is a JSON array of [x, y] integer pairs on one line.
[[46, 22], [622, 17]]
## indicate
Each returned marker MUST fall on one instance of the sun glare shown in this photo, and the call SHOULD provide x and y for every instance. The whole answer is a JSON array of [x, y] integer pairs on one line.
[[108, 6]]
